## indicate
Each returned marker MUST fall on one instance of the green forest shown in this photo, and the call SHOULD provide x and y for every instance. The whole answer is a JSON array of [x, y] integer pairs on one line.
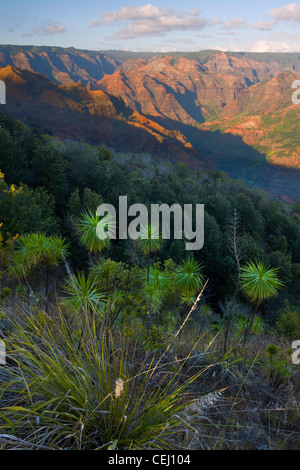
[[123, 344]]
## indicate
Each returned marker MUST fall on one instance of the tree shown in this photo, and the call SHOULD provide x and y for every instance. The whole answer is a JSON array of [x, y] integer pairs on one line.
[[258, 283], [37, 248], [188, 280], [25, 210], [149, 242], [237, 249], [83, 295], [89, 225]]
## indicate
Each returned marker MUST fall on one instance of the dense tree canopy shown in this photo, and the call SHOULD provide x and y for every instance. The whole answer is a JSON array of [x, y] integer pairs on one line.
[[47, 184]]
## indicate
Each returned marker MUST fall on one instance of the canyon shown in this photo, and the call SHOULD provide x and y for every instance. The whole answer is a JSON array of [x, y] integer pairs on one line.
[[233, 111]]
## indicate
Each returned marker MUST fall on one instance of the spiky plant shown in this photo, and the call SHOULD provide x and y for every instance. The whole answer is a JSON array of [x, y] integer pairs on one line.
[[83, 297], [36, 248], [159, 278], [189, 277], [188, 281], [258, 283], [91, 228], [149, 242], [56, 396]]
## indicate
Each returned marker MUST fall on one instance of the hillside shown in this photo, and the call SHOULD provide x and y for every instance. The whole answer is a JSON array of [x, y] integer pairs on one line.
[[265, 117], [132, 344], [93, 329], [230, 110], [75, 111]]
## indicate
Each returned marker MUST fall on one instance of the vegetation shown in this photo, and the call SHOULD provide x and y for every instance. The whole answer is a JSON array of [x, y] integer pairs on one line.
[[138, 344]]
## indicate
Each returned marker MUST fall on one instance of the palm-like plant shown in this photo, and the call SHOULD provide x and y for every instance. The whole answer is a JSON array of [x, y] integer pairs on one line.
[[59, 250], [258, 283], [188, 299], [189, 277], [159, 278], [149, 242], [106, 272], [188, 280], [152, 295], [156, 285], [38, 248], [91, 229], [83, 296]]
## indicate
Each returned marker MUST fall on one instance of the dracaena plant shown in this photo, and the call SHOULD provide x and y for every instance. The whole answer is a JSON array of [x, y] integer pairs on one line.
[[90, 227], [258, 282], [36, 248], [149, 242]]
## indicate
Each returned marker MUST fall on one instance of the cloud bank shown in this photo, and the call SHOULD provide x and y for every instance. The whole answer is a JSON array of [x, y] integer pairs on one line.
[[150, 20]]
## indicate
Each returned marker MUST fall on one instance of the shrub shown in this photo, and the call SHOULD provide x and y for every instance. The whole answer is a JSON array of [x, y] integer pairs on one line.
[[288, 324], [66, 392]]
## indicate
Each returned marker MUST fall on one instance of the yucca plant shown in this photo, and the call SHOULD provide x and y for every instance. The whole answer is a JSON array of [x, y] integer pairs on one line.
[[258, 283], [149, 242], [159, 278], [56, 396], [189, 276], [189, 280], [152, 296], [241, 323], [82, 296], [156, 285], [91, 227], [36, 248]]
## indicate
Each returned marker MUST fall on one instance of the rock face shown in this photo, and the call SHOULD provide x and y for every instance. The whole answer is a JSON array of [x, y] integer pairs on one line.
[[61, 67], [251, 70], [237, 105], [266, 118], [183, 90], [78, 112], [168, 88]]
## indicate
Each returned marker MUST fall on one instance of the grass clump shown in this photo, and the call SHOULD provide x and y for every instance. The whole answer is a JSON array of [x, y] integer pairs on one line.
[[64, 390]]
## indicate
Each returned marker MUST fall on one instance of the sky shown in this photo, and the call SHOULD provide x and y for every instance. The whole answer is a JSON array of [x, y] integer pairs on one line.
[[154, 26]]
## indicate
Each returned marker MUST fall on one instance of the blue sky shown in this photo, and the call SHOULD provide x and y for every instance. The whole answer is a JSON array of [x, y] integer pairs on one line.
[[258, 25]]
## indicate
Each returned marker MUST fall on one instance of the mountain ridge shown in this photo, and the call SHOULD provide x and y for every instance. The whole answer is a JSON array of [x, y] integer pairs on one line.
[[75, 111], [170, 101]]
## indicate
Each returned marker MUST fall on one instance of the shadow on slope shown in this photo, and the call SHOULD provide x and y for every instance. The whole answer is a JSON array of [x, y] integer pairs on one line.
[[243, 162], [229, 153]]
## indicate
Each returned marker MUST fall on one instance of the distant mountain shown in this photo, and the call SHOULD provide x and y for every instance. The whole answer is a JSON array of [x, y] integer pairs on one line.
[[63, 66], [69, 65], [265, 117], [233, 110], [75, 111]]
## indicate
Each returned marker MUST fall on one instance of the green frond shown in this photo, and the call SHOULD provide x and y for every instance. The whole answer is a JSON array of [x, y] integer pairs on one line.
[[189, 277], [90, 225], [149, 241], [82, 294], [259, 282]]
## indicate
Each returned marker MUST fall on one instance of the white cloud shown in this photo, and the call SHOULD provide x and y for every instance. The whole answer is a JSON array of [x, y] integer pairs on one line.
[[289, 12], [234, 23], [150, 20], [95, 23], [263, 25], [288, 36], [227, 32], [134, 13], [47, 29], [274, 46], [54, 29]]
